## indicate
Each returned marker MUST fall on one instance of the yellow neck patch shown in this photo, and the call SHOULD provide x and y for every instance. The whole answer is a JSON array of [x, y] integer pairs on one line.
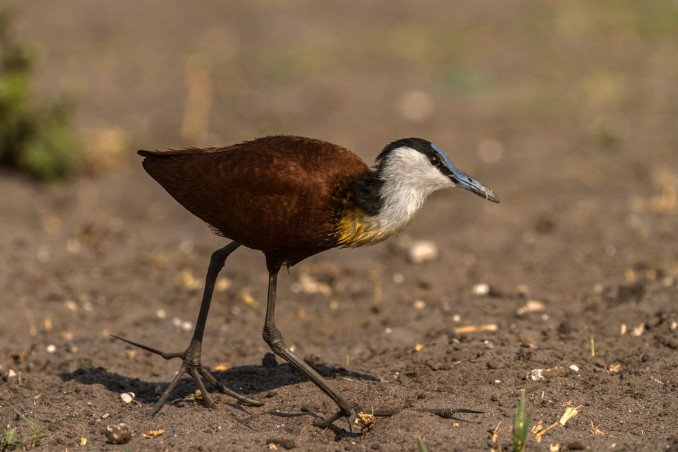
[[357, 229]]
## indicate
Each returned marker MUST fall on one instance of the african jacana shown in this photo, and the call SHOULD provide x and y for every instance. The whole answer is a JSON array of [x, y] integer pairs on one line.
[[292, 197]]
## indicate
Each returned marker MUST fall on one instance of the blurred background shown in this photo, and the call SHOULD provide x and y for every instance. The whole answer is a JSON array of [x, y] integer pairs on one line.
[[505, 79]]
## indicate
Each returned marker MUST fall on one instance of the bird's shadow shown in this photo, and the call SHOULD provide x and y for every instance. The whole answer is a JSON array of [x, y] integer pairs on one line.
[[246, 380]]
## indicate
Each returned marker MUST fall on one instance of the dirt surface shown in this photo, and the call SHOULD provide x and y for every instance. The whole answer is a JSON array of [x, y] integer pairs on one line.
[[566, 109]]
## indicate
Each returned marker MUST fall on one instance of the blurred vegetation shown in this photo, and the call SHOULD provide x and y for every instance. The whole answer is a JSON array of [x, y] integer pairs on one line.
[[34, 139]]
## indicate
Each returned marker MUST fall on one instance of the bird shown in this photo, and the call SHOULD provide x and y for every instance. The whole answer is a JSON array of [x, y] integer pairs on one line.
[[292, 197]]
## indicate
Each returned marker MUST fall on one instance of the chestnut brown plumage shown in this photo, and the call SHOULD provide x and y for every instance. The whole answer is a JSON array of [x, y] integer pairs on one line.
[[273, 194], [293, 197]]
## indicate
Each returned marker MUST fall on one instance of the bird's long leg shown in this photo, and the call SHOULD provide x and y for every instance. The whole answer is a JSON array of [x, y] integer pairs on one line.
[[275, 340], [191, 364]]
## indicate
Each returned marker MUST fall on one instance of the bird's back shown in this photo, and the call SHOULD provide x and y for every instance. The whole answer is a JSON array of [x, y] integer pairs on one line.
[[273, 194]]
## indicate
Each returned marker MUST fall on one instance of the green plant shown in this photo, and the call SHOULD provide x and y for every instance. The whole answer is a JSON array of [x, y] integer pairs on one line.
[[12, 438], [420, 444], [521, 425], [35, 139]]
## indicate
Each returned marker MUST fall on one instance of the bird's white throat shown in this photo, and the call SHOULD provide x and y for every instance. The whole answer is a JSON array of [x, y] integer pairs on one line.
[[408, 179]]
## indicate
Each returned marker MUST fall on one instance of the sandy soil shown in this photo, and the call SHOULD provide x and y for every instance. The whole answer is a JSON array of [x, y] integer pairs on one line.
[[563, 110]]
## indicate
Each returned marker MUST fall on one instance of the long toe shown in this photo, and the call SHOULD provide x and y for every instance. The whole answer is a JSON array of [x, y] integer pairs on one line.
[[192, 366], [358, 420]]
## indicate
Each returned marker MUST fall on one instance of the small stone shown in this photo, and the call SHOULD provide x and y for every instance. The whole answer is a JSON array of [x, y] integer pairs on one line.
[[285, 443], [574, 368], [420, 305], [494, 364], [545, 374], [11, 374], [51, 348], [422, 251], [531, 306], [118, 434], [127, 397], [480, 290]]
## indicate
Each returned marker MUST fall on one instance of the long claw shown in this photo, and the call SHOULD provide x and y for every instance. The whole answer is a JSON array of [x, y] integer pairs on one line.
[[165, 395], [150, 349], [325, 423], [365, 421], [352, 417], [207, 398], [190, 365]]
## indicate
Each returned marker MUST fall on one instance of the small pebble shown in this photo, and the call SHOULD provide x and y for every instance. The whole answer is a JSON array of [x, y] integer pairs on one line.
[[127, 397], [285, 443], [574, 368], [71, 305], [51, 348], [545, 374], [531, 306], [494, 364], [420, 305], [481, 289], [118, 434], [422, 251]]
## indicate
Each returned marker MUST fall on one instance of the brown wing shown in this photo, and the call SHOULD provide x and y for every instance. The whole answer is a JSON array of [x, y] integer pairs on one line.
[[271, 194]]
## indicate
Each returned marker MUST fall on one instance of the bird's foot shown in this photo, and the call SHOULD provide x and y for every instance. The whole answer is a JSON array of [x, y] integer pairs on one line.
[[364, 422], [191, 366], [359, 420]]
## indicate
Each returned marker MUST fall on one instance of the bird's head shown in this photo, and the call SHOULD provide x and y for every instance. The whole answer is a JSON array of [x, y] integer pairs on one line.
[[423, 166]]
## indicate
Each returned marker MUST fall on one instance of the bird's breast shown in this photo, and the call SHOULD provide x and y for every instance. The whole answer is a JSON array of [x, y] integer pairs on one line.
[[355, 228]]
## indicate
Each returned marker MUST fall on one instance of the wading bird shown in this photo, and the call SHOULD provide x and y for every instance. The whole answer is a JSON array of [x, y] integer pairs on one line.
[[292, 197]]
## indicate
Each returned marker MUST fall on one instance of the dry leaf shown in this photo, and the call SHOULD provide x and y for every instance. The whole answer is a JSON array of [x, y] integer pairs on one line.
[[476, 328], [154, 433]]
